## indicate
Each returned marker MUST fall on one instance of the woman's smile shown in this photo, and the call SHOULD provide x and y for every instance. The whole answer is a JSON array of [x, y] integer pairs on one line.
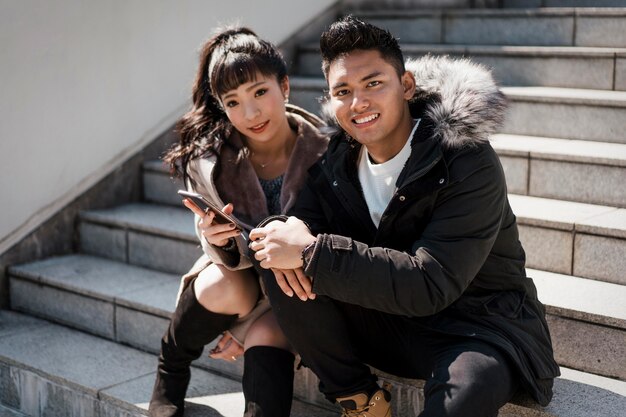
[[260, 127]]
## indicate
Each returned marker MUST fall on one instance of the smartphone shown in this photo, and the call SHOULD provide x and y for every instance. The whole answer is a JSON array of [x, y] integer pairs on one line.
[[204, 204]]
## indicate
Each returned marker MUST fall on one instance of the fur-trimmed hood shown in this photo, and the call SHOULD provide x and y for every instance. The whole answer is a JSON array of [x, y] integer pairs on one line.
[[459, 96]]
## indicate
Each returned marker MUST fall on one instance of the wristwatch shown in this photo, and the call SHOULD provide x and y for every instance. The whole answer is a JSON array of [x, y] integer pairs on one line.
[[307, 254]]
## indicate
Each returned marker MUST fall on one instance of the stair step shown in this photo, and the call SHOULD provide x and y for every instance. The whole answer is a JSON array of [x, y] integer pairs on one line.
[[9, 412], [609, 384], [83, 375], [158, 186], [156, 236], [570, 238], [107, 298], [132, 305], [545, 26], [567, 113], [573, 170], [577, 306], [80, 375], [574, 395], [534, 111], [586, 300], [563, 3], [570, 67], [585, 240], [121, 302]]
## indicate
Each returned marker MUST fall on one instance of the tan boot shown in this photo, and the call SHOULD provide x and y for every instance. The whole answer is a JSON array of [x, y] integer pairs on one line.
[[358, 405]]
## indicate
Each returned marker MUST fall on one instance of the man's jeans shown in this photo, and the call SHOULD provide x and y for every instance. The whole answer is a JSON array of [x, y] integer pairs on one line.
[[464, 377]]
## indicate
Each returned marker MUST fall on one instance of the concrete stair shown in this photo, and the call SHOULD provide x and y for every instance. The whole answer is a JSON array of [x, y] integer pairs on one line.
[[131, 305], [564, 154], [547, 66], [80, 375], [540, 26], [116, 299], [572, 238], [572, 170], [562, 3], [567, 113], [157, 236]]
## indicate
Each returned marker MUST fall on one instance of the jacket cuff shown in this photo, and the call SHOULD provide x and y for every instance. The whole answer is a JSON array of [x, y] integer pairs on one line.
[[311, 265]]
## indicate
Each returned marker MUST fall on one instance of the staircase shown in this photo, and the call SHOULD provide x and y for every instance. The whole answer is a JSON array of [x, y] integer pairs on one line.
[[82, 336]]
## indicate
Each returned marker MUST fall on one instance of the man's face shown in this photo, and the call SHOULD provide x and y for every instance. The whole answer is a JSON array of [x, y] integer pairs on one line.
[[369, 99]]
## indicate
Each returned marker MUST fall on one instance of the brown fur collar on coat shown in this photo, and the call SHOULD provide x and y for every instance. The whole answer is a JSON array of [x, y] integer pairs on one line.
[[238, 183], [459, 96]]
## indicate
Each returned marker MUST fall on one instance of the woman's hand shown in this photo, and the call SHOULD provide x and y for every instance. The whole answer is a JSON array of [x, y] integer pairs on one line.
[[215, 234], [227, 349]]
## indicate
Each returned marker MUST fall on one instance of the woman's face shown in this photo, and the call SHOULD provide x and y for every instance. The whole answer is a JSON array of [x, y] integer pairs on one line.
[[257, 108]]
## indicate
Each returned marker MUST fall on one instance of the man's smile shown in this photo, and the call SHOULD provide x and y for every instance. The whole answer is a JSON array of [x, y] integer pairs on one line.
[[365, 119]]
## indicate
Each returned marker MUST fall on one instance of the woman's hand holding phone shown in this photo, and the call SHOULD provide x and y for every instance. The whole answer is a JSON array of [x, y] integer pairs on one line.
[[215, 233]]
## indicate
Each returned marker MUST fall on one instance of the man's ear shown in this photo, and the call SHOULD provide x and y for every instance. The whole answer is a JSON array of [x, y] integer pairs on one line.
[[408, 84]]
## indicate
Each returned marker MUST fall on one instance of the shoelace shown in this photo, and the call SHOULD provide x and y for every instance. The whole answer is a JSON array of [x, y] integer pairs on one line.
[[357, 412]]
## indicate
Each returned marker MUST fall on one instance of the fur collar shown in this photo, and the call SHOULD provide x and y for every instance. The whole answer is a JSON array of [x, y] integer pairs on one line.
[[460, 97], [237, 183]]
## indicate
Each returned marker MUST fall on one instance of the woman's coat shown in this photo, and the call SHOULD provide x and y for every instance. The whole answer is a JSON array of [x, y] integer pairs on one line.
[[224, 180]]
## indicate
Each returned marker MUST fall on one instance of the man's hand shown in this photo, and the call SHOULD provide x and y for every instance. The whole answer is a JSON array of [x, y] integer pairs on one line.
[[294, 280], [279, 245]]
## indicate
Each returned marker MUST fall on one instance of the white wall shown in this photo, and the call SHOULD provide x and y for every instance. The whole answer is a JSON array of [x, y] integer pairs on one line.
[[85, 83]]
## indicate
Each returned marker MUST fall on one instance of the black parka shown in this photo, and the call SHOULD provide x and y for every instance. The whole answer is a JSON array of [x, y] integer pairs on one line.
[[447, 250]]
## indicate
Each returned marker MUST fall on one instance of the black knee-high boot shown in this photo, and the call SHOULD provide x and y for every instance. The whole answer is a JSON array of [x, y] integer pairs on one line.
[[191, 328], [268, 381]]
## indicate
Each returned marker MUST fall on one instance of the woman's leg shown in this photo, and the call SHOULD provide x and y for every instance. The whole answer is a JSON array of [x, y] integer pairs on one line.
[[221, 290], [208, 306], [268, 370]]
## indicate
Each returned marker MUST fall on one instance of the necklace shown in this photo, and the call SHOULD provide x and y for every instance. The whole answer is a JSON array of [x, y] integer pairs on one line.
[[289, 145], [261, 165]]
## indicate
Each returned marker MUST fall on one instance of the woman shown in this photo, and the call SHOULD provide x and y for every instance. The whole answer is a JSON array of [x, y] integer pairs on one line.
[[240, 143]]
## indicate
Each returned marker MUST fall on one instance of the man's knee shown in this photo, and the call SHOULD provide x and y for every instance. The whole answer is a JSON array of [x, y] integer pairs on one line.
[[474, 383]]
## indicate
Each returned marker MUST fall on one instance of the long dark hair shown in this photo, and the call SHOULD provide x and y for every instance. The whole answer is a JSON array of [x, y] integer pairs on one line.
[[232, 57]]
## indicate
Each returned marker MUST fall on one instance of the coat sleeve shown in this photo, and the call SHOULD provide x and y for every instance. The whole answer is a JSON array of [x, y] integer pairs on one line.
[[233, 260], [308, 207], [441, 263]]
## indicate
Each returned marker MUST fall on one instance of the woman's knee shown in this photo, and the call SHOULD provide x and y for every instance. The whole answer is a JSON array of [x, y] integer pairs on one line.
[[265, 331], [228, 292]]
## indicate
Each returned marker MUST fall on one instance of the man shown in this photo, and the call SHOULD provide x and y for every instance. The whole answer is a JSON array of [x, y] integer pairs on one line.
[[410, 250]]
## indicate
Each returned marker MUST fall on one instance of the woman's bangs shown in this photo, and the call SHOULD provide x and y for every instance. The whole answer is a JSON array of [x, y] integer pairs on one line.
[[235, 70]]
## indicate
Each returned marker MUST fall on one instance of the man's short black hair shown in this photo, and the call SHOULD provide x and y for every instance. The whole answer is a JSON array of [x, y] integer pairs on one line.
[[350, 34]]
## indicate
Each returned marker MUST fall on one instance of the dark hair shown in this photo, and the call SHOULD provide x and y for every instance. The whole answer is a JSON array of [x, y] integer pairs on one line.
[[350, 33], [232, 57]]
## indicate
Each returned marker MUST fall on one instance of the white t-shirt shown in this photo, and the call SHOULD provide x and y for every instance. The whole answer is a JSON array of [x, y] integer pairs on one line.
[[379, 180]]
